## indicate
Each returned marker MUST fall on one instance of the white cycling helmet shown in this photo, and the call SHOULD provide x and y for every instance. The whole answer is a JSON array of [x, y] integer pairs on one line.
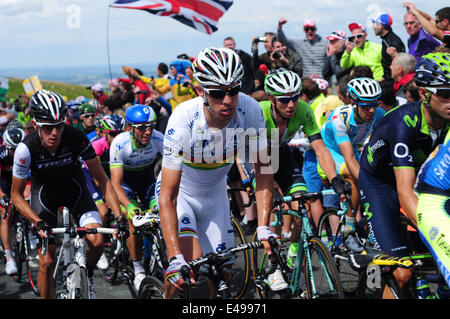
[[282, 82], [13, 136], [217, 66], [47, 106], [364, 89]]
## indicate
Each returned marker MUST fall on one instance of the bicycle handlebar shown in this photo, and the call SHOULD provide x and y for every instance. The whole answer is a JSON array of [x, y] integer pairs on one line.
[[251, 195]]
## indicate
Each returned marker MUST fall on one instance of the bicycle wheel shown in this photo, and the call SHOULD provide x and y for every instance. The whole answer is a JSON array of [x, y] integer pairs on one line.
[[110, 274], [19, 254], [349, 277], [321, 275], [32, 262], [77, 282], [241, 266], [151, 288]]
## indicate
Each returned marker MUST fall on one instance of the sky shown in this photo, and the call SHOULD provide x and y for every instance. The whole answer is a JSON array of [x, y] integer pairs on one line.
[[54, 33]]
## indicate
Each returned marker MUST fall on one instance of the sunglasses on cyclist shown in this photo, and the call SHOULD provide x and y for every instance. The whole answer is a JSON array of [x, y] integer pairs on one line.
[[50, 126], [286, 99], [440, 92], [352, 37], [113, 133], [368, 106], [220, 93], [145, 127]]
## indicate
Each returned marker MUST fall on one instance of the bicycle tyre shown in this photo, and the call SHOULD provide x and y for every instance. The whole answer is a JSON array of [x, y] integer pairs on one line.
[[31, 264], [19, 255], [110, 274], [77, 282], [240, 277], [326, 283], [151, 288], [324, 227]]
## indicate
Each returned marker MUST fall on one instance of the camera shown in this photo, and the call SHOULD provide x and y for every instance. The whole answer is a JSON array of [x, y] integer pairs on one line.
[[276, 55], [260, 39]]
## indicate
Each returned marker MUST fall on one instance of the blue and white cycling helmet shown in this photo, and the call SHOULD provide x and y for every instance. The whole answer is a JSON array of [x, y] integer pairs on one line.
[[364, 89], [140, 114], [112, 123]]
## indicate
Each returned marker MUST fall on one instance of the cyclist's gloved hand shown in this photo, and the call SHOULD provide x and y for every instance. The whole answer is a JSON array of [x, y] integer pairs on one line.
[[44, 226], [4, 201], [173, 272], [264, 233], [132, 210], [121, 225], [339, 186]]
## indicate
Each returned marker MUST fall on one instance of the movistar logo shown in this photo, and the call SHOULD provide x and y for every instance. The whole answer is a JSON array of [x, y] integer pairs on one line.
[[369, 155], [409, 122], [366, 211]]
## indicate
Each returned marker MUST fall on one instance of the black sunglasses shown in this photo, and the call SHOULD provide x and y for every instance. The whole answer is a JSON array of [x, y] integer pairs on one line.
[[113, 133], [145, 127], [441, 92], [220, 93], [368, 106], [309, 29], [352, 37], [50, 126]]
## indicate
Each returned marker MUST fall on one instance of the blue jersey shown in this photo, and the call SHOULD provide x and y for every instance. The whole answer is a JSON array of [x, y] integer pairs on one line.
[[434, 176], [402, 139], [342, 127]]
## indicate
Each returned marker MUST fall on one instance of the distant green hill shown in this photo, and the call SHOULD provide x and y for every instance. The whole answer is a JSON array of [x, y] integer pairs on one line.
[[70, 91]]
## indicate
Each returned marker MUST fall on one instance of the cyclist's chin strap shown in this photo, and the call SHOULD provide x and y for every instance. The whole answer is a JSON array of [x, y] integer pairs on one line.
[[277, 112], [205, 101]]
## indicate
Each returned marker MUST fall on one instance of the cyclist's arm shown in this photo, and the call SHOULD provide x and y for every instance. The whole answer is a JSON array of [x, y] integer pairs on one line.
[[170, 181], [405, 179], [105, 184], [324, 157], [350, 159], [116, 181], [17, 189]]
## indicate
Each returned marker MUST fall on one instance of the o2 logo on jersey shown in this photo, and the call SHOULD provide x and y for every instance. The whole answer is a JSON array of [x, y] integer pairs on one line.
[[171, 131], [185, 220]]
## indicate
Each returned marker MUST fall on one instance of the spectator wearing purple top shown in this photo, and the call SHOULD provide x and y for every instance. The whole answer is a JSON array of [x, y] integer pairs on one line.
[[419, 42]]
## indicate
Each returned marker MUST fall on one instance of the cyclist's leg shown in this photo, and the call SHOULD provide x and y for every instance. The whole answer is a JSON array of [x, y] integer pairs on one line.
[[44, 202], [433, 221], [313, 183], [5, 229], [382, 207]]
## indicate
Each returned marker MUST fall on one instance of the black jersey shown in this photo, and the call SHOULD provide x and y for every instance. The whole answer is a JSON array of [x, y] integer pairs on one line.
[[65, 163], [401, 139]]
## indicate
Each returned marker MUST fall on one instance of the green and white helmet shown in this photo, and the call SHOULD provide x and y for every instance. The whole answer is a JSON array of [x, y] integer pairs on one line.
[[282, 82]]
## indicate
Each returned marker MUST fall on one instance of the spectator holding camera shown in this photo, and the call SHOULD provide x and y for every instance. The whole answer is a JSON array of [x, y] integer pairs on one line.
[[264, 58], [312, 49], [335, 49], [283, 57], [362, 52]]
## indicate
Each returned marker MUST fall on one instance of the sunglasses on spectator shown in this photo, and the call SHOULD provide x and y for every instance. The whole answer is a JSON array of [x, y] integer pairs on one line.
[[145, 127], [307, 29], [368, 106], [441, 92], [88, 115], [352, 37], [220, 93], [286, 99], [50, 126]]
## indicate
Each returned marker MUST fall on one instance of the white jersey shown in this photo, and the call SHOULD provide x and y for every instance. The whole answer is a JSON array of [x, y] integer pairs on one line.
[[205, 155], [125, 154]]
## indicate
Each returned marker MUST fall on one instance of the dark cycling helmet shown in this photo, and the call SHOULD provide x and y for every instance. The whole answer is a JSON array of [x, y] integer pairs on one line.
[[282, 82], [47, 106], [112, 123], [217, 66], [14, 124], [13, 136], [364, 89], [140, 113], [87, 108], [433, 69]]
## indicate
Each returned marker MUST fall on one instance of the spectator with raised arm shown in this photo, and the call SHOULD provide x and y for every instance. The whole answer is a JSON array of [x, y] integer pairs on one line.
[[312, 49], [264, 58], [439, 27], [419, 43]]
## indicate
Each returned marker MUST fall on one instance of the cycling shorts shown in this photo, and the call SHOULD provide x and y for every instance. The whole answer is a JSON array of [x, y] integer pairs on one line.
[[205, 214], [433, 221], [339, 162], [47, 198], [145, 194], [289, 175], [310, 173], [94, 189], [382, 208]]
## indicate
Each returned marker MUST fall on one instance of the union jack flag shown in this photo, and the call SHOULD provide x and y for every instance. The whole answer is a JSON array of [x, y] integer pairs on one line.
[[202, 15]]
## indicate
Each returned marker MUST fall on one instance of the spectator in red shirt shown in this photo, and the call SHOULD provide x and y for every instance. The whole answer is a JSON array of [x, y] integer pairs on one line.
[[99, 94], [141, 90]]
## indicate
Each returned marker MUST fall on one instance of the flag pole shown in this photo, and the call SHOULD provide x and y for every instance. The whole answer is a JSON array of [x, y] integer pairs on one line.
[[107, 40]]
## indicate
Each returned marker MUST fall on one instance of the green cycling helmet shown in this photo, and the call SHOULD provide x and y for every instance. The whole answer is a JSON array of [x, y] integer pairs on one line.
[[281, 82], [87, 108], [433, 69]]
